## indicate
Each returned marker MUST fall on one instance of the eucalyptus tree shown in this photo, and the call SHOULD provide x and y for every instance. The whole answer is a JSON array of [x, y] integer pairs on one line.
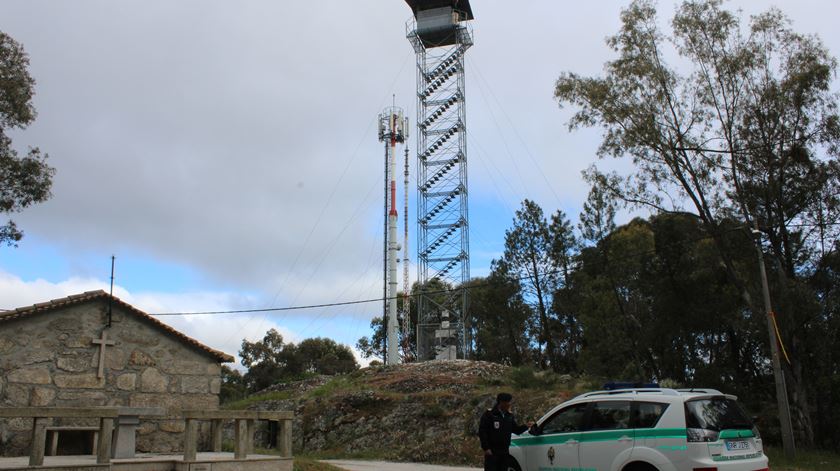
[[724, 122]]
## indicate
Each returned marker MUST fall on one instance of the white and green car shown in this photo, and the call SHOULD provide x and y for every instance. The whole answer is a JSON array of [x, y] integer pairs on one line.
[[642, 430]]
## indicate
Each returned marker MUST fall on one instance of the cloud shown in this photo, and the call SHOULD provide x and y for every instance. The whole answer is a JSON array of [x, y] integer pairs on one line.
[[237, 140]]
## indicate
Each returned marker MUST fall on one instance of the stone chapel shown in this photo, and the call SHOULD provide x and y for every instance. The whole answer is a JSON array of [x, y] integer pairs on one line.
[[71, 352]]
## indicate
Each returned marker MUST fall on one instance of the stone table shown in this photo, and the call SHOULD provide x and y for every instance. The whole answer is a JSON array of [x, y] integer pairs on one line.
[[125, 429]]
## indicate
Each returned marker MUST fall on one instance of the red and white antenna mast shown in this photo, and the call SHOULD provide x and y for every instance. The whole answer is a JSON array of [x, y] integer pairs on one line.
[[393, 128]]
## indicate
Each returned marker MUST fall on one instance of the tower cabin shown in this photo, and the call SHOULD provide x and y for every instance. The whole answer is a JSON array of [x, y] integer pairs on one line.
[[438, 21]]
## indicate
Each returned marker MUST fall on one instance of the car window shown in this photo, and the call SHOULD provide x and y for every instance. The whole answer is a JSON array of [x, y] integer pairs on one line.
[[566, 420], [715, 414], [609, 415], [647, 414]]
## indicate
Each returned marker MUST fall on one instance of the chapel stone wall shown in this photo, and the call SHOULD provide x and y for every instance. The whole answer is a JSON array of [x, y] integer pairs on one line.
[[49, 359]]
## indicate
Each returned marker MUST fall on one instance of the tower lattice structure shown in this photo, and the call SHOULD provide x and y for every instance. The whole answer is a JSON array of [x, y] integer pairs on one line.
[[440, 38]]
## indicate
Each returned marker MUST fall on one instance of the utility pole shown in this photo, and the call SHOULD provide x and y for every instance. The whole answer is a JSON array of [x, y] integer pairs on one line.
[[778, 374]]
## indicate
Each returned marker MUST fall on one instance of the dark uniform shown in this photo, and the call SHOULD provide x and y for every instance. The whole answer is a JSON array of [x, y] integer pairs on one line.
[[494, 430]]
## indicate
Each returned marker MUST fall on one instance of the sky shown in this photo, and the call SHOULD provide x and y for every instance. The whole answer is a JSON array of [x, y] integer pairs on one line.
[[226, 152]]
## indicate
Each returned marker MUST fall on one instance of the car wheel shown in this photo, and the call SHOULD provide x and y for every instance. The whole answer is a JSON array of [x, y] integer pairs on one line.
[[512, 465], [639, 467]]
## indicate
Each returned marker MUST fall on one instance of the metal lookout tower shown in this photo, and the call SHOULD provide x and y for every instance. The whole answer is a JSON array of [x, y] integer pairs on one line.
[[393, 129], [440, 37]]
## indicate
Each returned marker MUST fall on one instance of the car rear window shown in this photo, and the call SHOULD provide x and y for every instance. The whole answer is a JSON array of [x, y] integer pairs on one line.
[[716, 414], [647, 414]]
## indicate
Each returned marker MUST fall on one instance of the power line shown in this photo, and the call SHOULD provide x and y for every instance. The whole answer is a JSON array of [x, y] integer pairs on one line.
[[442, 291], [625, 256]]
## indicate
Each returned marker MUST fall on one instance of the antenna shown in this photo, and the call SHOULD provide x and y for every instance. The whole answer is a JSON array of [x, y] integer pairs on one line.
[[393, 129], [111, 294], [406, 286]]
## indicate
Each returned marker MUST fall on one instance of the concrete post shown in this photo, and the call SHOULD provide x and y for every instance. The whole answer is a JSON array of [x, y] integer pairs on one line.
[[217, 435], [106, 430], [284, 438], [240, 450], [190, 440], [252, 431], [39, 441]]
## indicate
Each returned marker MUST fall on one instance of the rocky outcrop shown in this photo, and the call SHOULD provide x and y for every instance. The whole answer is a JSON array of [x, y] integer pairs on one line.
[[420, 412]]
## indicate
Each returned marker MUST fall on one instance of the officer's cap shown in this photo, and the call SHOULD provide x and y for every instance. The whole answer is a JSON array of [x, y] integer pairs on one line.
[[504, 397]]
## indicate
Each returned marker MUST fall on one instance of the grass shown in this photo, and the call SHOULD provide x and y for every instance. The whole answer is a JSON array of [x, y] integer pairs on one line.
[[340, 453], [309, 464], [806, 460], [248, 401], [332, 386], [305, 462]]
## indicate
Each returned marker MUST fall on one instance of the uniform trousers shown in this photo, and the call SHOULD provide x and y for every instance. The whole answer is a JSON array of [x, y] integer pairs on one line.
[[497, 461]]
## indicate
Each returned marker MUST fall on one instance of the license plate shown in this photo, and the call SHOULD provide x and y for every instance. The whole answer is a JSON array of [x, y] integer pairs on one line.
[[737, 445]]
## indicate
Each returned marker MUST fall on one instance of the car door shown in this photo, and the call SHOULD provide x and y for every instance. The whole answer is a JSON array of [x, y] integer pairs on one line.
[[556, 444], [607, 435]]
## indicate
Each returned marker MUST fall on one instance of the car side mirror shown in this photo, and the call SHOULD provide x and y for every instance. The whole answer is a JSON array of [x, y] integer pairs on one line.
[[534, 430]]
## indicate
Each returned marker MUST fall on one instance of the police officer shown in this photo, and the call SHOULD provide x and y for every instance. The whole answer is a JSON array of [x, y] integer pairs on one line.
[[494, 430]]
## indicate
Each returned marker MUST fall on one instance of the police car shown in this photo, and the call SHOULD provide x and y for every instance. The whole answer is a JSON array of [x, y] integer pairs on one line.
[[654, 429]]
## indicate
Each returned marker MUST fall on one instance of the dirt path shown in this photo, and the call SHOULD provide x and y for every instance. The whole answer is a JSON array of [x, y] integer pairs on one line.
[[386, 466]]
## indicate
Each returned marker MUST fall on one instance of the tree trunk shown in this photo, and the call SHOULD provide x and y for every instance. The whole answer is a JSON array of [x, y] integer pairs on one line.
[[545, 330]]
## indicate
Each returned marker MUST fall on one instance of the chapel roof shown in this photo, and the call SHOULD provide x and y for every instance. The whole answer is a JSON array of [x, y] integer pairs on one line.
[[76, 299]]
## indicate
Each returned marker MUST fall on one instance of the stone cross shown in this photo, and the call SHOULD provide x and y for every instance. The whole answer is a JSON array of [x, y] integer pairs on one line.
[[102, 342]]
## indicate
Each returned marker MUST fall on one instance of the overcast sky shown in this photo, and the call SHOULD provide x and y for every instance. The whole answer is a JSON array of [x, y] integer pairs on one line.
[[226, 152]]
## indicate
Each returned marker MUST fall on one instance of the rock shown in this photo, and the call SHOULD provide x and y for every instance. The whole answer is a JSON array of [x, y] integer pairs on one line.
[[78, 342], [115, 359], [194, 384], [151, 380], [79, 381], [215, 385], [126, 382], [181, 366], [20, 423], [37, 356], [66, 324], [81, 399], [174, 426], [146, 427], [174, 402], [41, 397], [139, 358], [17, 395], [148, 338], [30, 375], [73, 364], [6, 345]]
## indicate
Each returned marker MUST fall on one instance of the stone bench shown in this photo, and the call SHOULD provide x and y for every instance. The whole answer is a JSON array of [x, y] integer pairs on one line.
[[41, 415], [109, 441], [245, 427], [53, 434]]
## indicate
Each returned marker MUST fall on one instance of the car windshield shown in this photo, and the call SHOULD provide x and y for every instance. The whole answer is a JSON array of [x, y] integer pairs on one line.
[[716, 414]]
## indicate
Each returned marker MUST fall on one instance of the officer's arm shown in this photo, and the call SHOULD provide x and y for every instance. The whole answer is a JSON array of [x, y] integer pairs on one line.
[[519, 429], [484, 431]]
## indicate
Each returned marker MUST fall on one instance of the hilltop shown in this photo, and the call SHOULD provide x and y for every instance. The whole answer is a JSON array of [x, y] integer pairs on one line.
[[421, 412]]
